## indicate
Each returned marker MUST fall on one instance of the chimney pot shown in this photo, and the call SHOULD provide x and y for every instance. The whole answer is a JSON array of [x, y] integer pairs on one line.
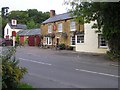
[[52, 13]]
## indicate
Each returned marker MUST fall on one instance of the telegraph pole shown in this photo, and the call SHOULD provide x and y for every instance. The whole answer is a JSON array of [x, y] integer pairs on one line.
[[4, 16]]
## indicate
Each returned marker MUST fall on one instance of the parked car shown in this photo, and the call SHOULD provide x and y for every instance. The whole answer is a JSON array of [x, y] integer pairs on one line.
[[6, 42], [2, 42]]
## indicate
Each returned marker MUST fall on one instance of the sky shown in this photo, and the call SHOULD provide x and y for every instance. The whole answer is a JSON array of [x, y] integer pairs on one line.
[[40, 5]]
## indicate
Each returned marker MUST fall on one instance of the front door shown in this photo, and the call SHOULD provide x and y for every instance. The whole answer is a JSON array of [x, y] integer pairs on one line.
[[57, 42]]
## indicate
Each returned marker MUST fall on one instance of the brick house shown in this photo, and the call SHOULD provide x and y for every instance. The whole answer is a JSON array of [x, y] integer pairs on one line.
[[60, 29]]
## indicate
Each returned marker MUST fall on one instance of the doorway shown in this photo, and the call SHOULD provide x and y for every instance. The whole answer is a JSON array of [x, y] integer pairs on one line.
[[57, 42]]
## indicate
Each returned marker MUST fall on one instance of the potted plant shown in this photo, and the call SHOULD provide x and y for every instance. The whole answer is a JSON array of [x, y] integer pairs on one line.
[[61, 46]]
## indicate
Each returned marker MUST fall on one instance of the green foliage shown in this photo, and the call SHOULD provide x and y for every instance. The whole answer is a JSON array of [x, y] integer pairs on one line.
[[115, 56], [11, 72], [21, 16], [24, 86], [61, 46], [4, 22], [17, 39], [0, 27], [26, 41], [31, 24], [30, 17]]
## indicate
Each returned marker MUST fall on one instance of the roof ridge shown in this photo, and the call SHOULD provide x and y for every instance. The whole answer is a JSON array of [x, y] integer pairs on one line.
[[17, 24], [62, 13], [58, 17]]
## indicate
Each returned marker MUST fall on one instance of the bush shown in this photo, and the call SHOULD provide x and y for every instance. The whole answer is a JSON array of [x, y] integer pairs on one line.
[[69, 48], [11, 72], [115, 56], [61, 46]]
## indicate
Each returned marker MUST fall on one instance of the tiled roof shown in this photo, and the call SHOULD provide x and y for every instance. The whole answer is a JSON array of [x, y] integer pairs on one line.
[[59, 17], [29, 32], [18, 26]]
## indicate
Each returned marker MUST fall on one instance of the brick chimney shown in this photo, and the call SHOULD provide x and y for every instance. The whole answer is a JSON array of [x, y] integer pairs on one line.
[[52, 13]]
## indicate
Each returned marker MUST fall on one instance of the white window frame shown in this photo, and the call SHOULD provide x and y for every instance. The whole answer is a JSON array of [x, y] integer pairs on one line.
[[60, 27], [48, 40], [72, 25], [81, 39], [101, 40], [71, 41], [49, 28]]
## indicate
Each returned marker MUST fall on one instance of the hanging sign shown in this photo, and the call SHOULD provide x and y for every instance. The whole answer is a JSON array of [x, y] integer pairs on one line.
[[54, 27]]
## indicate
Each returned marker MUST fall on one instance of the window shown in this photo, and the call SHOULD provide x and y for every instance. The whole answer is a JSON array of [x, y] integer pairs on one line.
[[60, 27], [80, 38], [7, 31], [72, 38], [49, 28], [101, 41], [72, 26], [48, 41]]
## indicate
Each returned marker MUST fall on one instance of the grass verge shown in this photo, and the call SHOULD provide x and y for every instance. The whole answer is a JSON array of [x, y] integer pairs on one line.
[[24, 86]]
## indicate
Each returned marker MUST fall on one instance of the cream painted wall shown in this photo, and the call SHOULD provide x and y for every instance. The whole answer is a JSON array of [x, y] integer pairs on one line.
[[90, 41], [9, 31], [5, 30]]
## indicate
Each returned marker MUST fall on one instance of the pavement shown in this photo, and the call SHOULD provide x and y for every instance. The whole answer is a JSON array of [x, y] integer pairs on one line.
[[49, 68], [97, 58]]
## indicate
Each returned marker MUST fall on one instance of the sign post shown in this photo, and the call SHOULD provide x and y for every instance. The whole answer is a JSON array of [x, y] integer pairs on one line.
[[14, 23], [14, 39]]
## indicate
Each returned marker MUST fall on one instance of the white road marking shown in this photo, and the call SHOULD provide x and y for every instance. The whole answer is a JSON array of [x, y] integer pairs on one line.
[[35, 61], [97, 73], [114, 65]]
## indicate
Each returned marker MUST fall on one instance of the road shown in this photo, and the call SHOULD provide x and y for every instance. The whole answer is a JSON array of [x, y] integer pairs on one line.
[[66, 69]]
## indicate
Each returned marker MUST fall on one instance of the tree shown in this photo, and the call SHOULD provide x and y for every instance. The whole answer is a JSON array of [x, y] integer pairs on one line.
[[37, 16], [0, 26], [17, 39], [20, 16], [31, 17], [107, 15], [31, 24], [4, 21], [12, 73]]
